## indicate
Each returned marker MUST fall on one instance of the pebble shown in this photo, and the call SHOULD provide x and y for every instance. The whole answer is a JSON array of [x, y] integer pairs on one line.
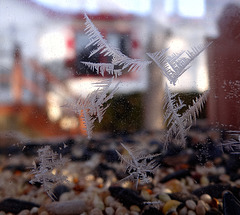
[[16, 206], [204, 181], [121, 211], [134, 213], [200, 209], [34, 211], [109, 211], [96, 211], [176, 175], [224, 178], [43, 213], [59, 190], [164, 197], [171, 204], [206, 198], [190, 212], [174, 185], [135, 208], [98, 203], [190, 204], [145, 194], [183, 211], [24, 212], [67, 208], [237, 183], [108, 200], [127, 196], [214, 190]]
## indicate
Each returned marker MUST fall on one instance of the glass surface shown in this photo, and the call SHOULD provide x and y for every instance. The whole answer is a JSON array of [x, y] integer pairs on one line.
[[120, 107]]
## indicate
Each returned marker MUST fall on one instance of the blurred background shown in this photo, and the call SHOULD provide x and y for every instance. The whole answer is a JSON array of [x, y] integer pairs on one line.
[[43, 41]]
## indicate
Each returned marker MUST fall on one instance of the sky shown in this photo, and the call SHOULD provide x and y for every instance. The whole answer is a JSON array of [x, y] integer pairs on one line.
[[141, 7], [187, 8]]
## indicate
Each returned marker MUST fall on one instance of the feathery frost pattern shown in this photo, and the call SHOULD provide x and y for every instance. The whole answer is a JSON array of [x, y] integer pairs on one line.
[[178, 124], [101, 68], [118, 58], [232, 145], [175, 65], [93, 106], [139, 167], [49, 161]]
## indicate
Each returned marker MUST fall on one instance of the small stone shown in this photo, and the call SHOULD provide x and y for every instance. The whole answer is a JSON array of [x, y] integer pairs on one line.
[[190, 204], [121, 211], [34, 211], [108, 200], [24, 212], [237, 183], [174, 185], [98, 203], [126, 196], [171, 204], [206, 198], [221, 170], [16, 206], [200, 209], [214, 203], [115, 204], [135, 208], [68, 207], [145, 194], [44, 213], [59, 190], [164, 197], [183, 211], [224, 178], [109, 211], [134, 213], [204, 181], [190, 212], [96, 211]]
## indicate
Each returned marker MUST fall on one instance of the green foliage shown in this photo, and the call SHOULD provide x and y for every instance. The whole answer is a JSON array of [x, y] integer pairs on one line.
[[125, 114]]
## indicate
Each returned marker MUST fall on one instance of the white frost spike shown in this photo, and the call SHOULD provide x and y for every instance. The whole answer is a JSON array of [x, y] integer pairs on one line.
[[100, 68], [118, 58], [178, 124], [94, 105], [175, 65], [138, 166], [48, 161], [194, 110]]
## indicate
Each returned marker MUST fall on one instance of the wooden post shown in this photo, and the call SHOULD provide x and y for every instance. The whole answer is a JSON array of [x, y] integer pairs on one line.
[[224, 71], [17, 76]]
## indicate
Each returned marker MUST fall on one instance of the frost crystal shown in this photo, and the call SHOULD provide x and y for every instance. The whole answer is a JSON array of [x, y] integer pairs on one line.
[[178, 124], [175, 65], [138, 167], [94, 105], [49, 162], [118, 58]]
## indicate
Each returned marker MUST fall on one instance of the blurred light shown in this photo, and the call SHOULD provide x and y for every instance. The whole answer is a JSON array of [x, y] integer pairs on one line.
[[52, 46], [53, 108], [141, 7], [190, 8], [67, 123], [185, 8]]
